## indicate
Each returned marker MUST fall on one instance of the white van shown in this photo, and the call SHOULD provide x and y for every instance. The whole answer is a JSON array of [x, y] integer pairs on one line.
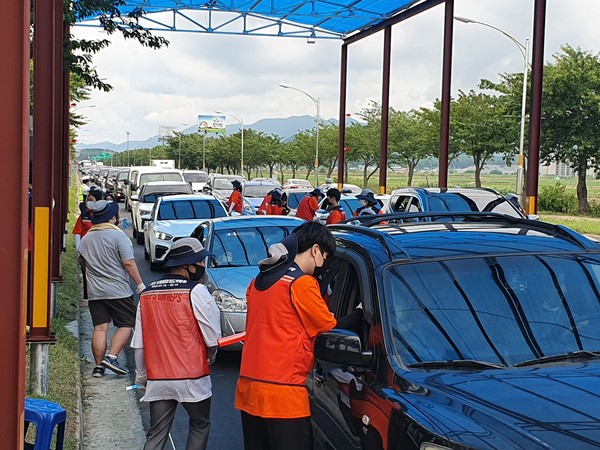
[[143, 174]]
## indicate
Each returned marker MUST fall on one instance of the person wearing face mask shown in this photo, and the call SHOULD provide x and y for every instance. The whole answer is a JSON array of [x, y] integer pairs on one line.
[[175, 342], [285, 314], [368, 204]]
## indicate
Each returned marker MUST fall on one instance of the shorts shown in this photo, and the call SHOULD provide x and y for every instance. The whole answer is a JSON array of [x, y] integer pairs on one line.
[[121, 311]]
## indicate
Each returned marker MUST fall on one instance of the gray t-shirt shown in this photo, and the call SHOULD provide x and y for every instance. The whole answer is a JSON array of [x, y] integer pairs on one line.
[[104, 252]]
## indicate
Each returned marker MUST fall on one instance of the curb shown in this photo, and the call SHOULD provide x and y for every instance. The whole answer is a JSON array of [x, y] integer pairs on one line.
[[111, 416]]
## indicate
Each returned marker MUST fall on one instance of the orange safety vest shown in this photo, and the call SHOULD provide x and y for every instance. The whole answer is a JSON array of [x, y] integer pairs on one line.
[[235, 197], [273, 327], [307, 207], [336, 215], [173, 344], [262, 209]]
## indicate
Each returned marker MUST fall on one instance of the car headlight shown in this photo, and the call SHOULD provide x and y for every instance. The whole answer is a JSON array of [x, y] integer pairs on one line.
[[162, 236], [228, 302], [432, 446]]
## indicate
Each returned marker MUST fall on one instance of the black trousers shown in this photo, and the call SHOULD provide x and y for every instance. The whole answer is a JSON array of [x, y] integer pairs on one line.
[[162, 413], [276, 434]]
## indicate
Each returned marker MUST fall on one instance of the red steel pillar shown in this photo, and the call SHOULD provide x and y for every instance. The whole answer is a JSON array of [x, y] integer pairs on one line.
[[14, 128]]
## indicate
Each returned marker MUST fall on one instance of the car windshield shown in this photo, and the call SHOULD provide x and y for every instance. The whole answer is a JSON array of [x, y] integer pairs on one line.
[[245, 246], [502, 310], [259, 190], [222, 184], [165, 176], [190, 209], [195, 177]]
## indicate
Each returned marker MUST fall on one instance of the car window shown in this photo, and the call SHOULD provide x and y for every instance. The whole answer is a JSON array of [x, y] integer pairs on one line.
[[350, 205], [195, 177], [190, 209], [122, 175], [259, 190], [497, 309], [294, 198], [167, 176], [245, 246]]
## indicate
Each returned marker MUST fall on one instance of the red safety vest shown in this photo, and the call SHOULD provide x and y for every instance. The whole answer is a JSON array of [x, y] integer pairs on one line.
[[173, 344], [273, 327]]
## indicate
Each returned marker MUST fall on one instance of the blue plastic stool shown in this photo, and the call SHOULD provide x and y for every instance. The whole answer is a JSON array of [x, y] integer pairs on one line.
[[45, 415]]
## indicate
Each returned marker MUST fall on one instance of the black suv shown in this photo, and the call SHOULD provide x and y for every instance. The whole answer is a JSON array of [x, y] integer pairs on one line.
[[480, 331]]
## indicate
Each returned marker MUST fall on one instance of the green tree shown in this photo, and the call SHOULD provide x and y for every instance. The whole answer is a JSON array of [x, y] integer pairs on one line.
[[571, 114], [411, 139], [364, 141], [477, 128]]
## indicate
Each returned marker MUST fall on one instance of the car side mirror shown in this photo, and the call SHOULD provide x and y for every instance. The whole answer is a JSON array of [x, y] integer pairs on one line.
[[206, 190], [134, 187], [342, 347], [126, 182]]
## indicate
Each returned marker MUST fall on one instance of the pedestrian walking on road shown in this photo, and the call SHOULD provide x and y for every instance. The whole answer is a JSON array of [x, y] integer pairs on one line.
[[107, 262], [175, 340], [234, 204], [285, 314]]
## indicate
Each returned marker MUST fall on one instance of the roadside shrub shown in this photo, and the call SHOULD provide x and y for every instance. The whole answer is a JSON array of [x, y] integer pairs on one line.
[[495, 172], [594, 209], [557, 199]]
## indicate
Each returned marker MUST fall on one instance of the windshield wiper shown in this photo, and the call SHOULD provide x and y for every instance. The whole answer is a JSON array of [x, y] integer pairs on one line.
[[570, 356], [458, 364]]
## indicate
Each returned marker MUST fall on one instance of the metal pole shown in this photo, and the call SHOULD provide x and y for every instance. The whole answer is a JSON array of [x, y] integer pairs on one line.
[[242, 160], [317, 145], [204, 152], [521, 160], [128, 150], [179, 161], [317, 103]]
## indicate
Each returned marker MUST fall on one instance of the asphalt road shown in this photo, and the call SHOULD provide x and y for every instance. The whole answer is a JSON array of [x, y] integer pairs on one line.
[[226, 427]]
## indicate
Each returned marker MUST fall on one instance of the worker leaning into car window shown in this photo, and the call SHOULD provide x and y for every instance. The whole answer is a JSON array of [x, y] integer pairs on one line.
[[337, 213], [309, 204], [234, 204], [264, 206], [275, 206], [285, 314]]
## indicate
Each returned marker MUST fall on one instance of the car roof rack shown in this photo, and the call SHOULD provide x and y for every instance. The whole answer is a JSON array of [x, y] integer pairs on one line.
[[391, 246], [474, 217]]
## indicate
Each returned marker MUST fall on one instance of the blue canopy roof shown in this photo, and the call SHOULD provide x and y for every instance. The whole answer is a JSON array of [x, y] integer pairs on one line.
[[290, 18]]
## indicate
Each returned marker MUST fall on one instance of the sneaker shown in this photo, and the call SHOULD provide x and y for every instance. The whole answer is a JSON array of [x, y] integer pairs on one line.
[[111, 363], [98, 372]]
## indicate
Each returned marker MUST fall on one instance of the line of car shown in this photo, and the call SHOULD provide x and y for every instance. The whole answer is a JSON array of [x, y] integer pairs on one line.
[[481, 327]]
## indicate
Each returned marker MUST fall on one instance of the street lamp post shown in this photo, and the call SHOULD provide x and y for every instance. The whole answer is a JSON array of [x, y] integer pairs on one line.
[[180, 136], [524, 50], [128, 149], [241, 122], [317, 102]]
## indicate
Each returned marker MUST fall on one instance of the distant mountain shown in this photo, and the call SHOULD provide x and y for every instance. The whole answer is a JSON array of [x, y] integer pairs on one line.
[[284, 128]]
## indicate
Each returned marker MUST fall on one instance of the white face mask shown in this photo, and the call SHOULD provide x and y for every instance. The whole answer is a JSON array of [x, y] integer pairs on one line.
[[364, 202], [89, 204]]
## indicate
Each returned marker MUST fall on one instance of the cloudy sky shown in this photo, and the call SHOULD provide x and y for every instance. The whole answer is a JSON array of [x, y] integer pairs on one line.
[[200, 73]]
